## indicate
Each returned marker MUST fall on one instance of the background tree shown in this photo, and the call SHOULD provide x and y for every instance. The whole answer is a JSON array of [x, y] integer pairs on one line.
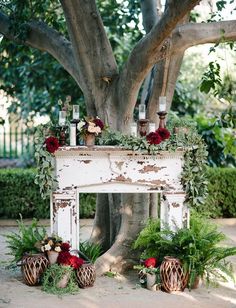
[[72, 31]]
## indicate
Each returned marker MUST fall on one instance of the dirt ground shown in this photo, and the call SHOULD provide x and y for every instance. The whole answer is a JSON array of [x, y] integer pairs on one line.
[[118, 292]]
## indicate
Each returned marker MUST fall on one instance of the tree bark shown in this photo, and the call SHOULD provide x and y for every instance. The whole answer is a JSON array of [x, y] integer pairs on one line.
[[120, 256], [90, 43]]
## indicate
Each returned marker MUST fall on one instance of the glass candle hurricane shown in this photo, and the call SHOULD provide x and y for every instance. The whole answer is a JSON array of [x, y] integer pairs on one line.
[[75, 115], [133, 129], [142, 112], [62, 118], [162, 104], [152, 127]]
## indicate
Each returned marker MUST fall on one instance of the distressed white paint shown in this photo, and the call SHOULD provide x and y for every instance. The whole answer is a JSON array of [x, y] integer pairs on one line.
[[111, 169], [173, 212]]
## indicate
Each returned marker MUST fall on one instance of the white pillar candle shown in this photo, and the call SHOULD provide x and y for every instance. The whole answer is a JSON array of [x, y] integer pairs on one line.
[[152, 127], [72, 134], [62, 118], [142, 112], [162, 103], [134, 129], [75, 112]]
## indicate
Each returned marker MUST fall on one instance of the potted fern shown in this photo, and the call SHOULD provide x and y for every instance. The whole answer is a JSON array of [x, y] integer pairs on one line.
[[197, 247], [24, 247]]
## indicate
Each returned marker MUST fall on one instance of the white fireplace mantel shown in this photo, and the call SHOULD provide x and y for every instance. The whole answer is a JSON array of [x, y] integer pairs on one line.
[[106, 169]]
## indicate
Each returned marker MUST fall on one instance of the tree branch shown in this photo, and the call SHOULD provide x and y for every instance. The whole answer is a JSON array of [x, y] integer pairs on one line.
[[91, 47], [44, 38], [190, 34], [149, 13], [145, 53]]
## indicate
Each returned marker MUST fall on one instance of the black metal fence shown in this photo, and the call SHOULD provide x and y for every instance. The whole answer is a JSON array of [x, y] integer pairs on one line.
[[15, 142]]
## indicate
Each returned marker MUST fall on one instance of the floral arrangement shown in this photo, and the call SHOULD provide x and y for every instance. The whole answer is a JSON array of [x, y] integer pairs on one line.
[[67, 259], [60, 276], [51, 243], [158, 136], [92, 125], [148, 266]]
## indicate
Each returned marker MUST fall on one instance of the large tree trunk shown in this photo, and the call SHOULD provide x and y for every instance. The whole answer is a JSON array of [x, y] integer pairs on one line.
[[107, 220], [134, 215]]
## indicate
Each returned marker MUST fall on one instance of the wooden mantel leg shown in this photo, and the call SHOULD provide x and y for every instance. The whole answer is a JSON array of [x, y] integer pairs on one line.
[[174, 213], [65, 217]]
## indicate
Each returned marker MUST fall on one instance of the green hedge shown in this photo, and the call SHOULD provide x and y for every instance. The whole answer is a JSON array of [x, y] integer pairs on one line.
[[221, 200], [19, 194]]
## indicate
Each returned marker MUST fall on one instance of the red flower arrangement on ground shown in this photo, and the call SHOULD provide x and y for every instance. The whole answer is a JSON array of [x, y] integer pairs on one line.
[[52, 144], [150, 262], [66, 258], [158, 136]]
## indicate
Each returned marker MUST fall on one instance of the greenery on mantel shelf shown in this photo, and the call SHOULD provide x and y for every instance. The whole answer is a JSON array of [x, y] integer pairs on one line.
[[194, 169]]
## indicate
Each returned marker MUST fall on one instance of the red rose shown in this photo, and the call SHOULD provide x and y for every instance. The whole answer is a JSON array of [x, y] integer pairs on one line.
[[153, 138], [163, 133], [76, 262], [65, 246], [64, 258], [99, 123], [52, 144], [150, 262]]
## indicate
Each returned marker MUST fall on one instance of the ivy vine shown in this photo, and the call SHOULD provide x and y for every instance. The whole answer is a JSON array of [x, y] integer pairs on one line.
[[45, 176]]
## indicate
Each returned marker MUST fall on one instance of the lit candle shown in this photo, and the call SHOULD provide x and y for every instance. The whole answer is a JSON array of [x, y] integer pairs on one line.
[[75, 112], [152, 127], [162, 103], [142, 112], [134, 129], [62, 118]]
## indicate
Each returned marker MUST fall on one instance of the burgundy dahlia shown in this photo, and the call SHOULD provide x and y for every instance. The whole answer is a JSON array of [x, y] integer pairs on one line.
[[65, 246], [52, 144], [150, 262], [99, 123], [153, 138], [64, 258], [163, 133]]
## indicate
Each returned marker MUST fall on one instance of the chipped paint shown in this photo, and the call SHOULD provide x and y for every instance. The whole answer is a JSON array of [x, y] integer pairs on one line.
[[151, 168], [67, 188], [155, 182], [119, 164], [86, 161], [175, 204], [121, 178]]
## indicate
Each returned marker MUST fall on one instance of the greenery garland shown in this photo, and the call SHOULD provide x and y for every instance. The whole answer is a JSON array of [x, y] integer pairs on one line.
[[193, 176], [45, 161]]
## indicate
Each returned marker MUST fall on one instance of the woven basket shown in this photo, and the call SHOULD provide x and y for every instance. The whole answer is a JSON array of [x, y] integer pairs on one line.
[[172, 275], [32, 267], [86, 275]]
